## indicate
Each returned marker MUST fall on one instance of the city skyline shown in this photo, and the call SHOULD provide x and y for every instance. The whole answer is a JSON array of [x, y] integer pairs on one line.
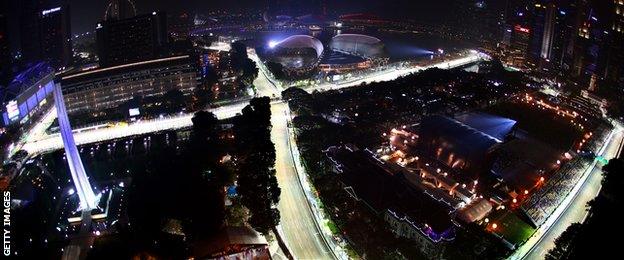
[[291, 129]]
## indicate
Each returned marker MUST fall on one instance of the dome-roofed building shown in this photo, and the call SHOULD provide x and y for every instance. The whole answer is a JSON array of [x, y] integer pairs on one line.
[[358, 44], [298, 51]]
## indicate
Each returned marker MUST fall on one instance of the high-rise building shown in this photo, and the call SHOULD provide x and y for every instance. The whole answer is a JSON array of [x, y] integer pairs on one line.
[[5, 56], [591, 41], [563, 35], [134, 39], [539, 20], [56, 35], [552, 24], [45, 32], [520, 41], [614, 70], [550, 19]]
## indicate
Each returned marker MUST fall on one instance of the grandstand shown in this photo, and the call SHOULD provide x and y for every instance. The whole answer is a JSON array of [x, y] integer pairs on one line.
[[544, 202]]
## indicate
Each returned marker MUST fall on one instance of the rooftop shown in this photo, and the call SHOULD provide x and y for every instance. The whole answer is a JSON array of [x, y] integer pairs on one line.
[[383, 190]]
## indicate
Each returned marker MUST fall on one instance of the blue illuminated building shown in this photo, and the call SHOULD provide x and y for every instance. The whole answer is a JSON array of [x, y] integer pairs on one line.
[[27, 96]]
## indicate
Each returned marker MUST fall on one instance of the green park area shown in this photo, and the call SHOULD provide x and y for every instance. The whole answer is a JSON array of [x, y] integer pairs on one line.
[[513, 229]]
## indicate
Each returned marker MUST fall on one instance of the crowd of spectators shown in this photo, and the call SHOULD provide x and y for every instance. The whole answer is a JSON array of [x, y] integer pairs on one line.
[[545, 200]]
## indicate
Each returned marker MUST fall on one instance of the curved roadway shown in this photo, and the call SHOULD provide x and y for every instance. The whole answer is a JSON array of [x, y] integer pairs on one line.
[[576, 210]]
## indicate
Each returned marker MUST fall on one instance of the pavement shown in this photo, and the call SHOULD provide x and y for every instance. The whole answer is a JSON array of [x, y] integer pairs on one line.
[[574, 208], [54, 142], [297, 225]]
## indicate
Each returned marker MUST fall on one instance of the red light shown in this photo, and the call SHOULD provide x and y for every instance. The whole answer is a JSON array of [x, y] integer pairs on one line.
[[522, 29]]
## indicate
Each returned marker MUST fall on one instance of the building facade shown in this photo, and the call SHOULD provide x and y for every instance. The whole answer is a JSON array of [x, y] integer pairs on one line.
[[130, 40], [28, 94], [615, 62], [94, 91], [44, 31]]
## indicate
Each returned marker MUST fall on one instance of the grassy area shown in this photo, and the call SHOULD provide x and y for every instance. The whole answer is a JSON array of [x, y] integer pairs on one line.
[[332, 227], [513, 229]]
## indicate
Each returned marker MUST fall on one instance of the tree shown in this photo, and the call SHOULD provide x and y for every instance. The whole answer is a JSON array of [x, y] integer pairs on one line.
[[582, 241], [277, 69], [173, 100], [257, 181], [564, 242], [203, 92]]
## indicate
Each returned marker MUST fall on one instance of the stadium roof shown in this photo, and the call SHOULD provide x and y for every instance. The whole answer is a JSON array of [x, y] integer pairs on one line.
[[461, 137], [495, 126], [334, 57], [302, 41], [359, 38]]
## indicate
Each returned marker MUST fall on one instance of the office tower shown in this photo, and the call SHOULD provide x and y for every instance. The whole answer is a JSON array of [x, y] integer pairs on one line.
[[615, 60], [45, 32], [134, 39]]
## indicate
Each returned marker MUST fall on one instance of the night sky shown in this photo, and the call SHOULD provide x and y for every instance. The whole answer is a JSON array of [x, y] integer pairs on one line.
[[85, 14]]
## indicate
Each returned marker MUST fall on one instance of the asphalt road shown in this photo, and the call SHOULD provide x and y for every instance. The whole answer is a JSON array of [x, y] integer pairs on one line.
[[297, 222], [577, 210]]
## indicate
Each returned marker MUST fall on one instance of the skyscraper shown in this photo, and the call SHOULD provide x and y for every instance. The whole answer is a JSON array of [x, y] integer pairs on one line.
[[45, 32], [591, 41], [5, 57], [55, 34], [539, 22], [615, 62], [134, 39]]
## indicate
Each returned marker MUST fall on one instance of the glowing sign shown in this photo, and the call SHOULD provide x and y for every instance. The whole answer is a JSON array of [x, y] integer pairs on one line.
[[49, 11], [522, 29], [12, 110], [134, 112]]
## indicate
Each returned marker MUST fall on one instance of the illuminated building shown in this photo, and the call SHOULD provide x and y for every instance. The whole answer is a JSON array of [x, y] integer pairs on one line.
[[27, 96], [520, 40], [358, 44], [96, 90], [296, 53], [458, 145], [409, 212]]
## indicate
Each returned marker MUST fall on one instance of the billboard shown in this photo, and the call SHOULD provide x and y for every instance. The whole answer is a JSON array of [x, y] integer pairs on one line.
[[134, 112], [12, 110]]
